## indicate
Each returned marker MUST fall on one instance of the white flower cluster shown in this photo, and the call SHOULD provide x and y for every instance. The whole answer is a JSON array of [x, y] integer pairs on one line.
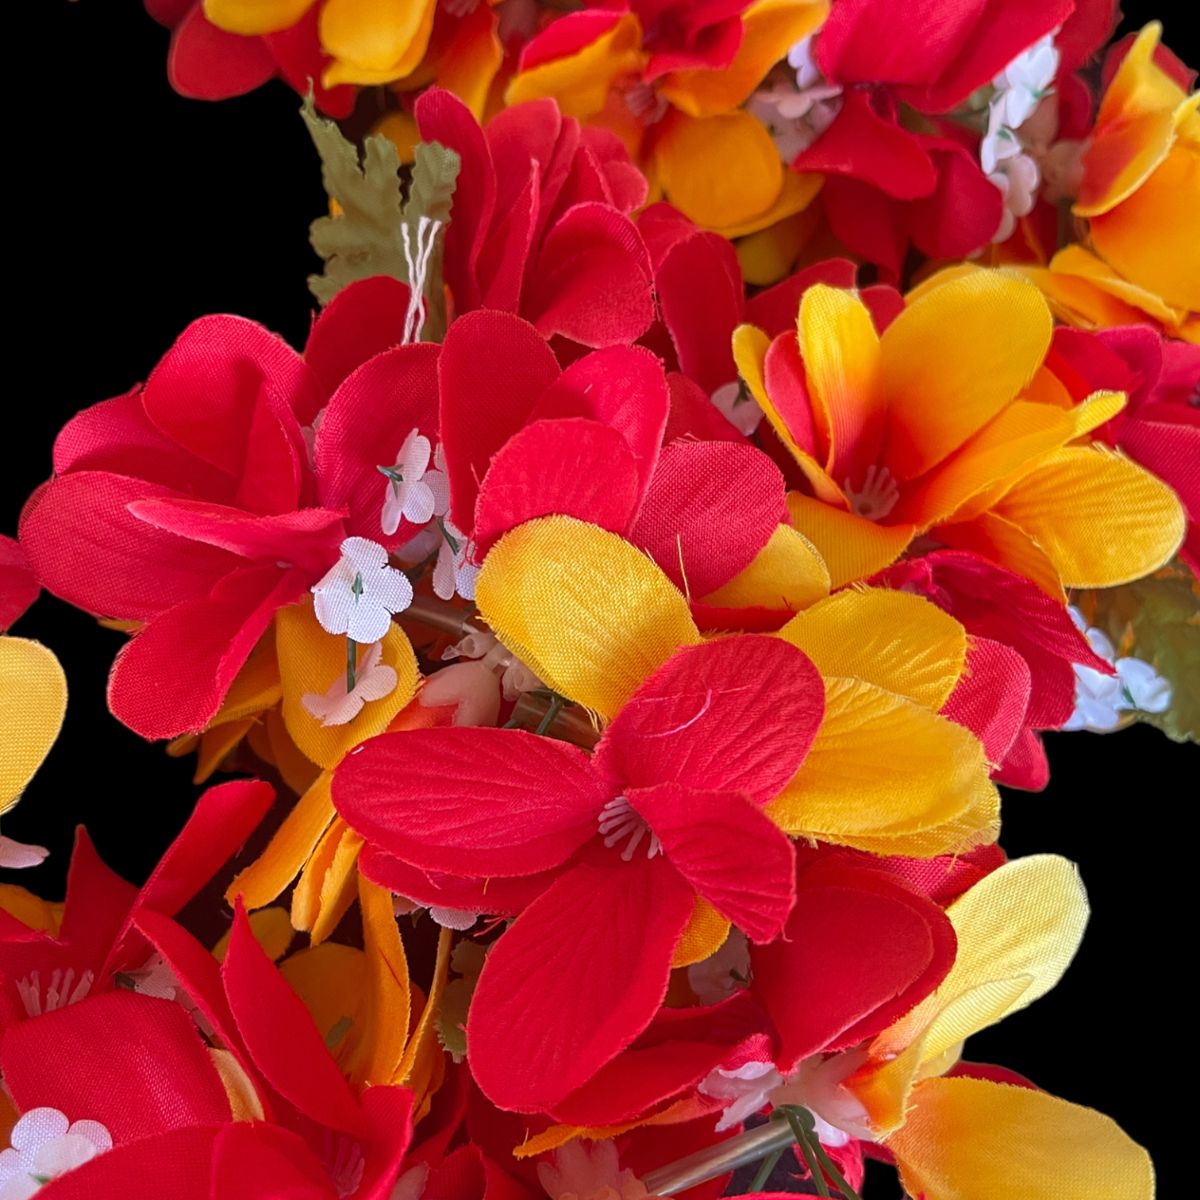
[[1100, 700], [1020, 88], [796, 109]]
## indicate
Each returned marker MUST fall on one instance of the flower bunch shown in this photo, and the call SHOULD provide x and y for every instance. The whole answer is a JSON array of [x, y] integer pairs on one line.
[[701, 486]]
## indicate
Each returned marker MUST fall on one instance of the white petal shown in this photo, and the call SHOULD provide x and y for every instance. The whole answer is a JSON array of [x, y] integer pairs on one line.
[[393, 510], [464, 580], [38, 1126], [20, 1187], [364, 555], [413, 457], [63, 1154], [95, 1133], [419, 503], [16, 855], [443, 573], [1149, 690], [379, 682], [333, 609], [368, 621], [389, 588], [438, 483], [453, 918]]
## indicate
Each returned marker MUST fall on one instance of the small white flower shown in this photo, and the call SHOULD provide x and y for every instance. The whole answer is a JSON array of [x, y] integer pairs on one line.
[[746, 1090], [454, 571], [373, 680], [1017, 178], [15, 855], [45, 1145], [1027, 79], [414, 493], [360, 593], [1143, 685], [515, 677], [734, 402]]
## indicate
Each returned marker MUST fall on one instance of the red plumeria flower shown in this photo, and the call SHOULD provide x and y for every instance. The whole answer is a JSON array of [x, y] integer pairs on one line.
[[191, 506], [18, 585], [622, 845], [541, 221], [1160, 425], [45, 969], [137, 1065], [1019, 677], [885, 184], [207, 63], [586, 442]]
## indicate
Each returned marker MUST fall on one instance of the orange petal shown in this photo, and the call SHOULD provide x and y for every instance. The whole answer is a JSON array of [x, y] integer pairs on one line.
[[787, 573], [1101, 519], [703, 936], [888, 776], [331, 979], [852, 547], [374, 41], [589, 614], [721, 170], [327, 884], [251, 17], [472, 59], [388, 999], [272, 929], [967, 1138], [994, 538], [893, 640], [841, 355], [797, 191], [954, 358], [1131, 296], [769, 29]]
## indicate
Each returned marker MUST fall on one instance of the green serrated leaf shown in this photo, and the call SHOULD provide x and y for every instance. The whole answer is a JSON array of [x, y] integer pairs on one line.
[[452, 1018], [364, 238], [1158, 620]]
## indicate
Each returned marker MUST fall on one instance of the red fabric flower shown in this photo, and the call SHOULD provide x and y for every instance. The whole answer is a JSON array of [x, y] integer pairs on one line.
[[541, 224], [623, 842], [1019, 677], [18, 584], [1160, 425], [887, 185], [192, 506]]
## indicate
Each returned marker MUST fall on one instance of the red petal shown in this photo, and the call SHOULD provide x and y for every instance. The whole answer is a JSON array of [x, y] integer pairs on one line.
[[471, 802], [574, 980], [566, 36], [302, 62], [700, 295], [362, 320], [492, 369], [18, 586], [572, 467], [622, 387], [945, 878], [171, 677], [206, 63], [787, 386], [774, 309], [866, 221], [175, 1164], [504, 256], [591, 283], [728, 850], [253, 1160], [962, 212], [694, 415], [992, 697], [734, 715], [1026, 766], [389, 1118], [133, 1063], [442, 117], [87, 548], [872, 149], [280, 1034], [710, 508], [527, 139], [859, 950], [365, 425], [309, 537]]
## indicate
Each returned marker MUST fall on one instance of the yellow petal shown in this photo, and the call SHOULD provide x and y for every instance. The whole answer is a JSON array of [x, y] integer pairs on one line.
[[1017, 929], [681, 1111], [750, 347], [703, 936], [797, 191], [769, 29], [470, 62], [418, 1067], [387, 1002], [1000, 541], [331, 979], [852, 547], [33, 701], [841, 355], [1080, 302], [289, 849], [298, 772], [374, 41], [580, 82], [327, 884], [1101, 519], [894, 640], [311, 660], [1003, 450], [718, 170], [256, 687], [272, 929], [971, 1139], [767, 255], [244, 1102], [787, 573], [215, 745], [590, 615], [1094, 410], [250, 17], [953, 359], [1126, 296], [888, 776], [1153, 238]]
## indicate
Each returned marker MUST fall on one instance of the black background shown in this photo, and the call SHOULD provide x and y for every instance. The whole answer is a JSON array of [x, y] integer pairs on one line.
[[132, 211]]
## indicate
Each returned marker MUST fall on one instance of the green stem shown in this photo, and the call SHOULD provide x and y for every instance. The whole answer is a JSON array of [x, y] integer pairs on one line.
[[556, 706], [765, 1168], [800, 1133], [819, 1163], [351, 665]]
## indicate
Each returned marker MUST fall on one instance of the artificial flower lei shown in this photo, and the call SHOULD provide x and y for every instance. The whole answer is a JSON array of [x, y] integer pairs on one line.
[[731, 435]]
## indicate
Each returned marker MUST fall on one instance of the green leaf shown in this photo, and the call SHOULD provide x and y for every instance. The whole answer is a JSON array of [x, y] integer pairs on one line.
[[364, 238], [1157, 619], [467, 960]]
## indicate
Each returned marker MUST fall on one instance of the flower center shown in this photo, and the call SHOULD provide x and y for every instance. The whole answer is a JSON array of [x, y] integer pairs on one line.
[[620, 823], [345, 1164], [877, 496], [64, 988]]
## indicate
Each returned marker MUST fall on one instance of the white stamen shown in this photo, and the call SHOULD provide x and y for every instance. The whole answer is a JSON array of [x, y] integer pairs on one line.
[[877, 496], [418, 269], [63, 989], [619, 822]]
